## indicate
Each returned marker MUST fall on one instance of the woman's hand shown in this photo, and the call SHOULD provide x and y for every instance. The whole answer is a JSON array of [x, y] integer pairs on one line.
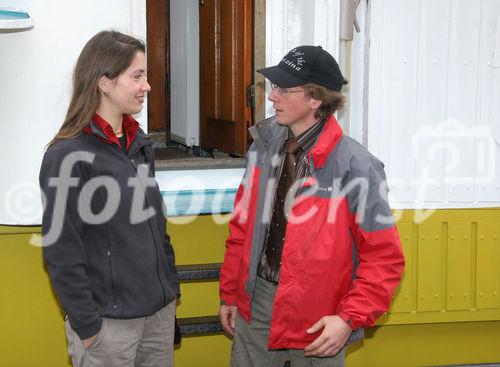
[[87, 343]]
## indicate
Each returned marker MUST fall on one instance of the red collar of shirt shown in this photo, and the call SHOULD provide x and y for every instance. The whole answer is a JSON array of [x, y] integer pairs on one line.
[[129, 124]]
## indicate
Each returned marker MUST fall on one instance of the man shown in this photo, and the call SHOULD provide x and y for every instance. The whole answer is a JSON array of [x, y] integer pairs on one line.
[[313, 255]]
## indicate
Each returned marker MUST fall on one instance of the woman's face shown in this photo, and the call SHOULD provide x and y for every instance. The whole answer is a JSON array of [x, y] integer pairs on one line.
[[125, 93]]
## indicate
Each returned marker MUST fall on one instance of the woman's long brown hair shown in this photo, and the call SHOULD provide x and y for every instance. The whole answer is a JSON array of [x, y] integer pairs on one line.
[[108, 53]]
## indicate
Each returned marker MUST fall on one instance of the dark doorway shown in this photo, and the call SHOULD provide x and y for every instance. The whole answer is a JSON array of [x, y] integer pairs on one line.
[[226, 63], [226, 69]]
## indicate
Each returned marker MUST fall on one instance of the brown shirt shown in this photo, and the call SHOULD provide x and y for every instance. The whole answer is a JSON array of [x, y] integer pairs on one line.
[[306, 141]]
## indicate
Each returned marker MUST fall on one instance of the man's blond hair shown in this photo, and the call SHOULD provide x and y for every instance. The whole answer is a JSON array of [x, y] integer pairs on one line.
[[331, 100]]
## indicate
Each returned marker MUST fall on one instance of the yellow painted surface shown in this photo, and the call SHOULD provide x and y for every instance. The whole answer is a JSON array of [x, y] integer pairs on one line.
[[384, 346], [199, 299], [198, 240], [403, 296], [203, 351], [32, 328], [427, 345], [488, 260], [464, 258], [429, 267], [459, 266], [453, 267]]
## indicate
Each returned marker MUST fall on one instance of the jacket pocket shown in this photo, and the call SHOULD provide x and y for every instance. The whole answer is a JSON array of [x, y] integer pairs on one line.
[[355, 336], [111, 279], [98, 337]]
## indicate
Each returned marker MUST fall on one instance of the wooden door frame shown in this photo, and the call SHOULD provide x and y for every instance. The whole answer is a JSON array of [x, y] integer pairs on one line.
[[259, 60], [158, 23]]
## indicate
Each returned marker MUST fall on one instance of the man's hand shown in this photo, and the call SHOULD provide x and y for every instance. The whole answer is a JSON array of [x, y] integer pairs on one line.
[[332, 339], [227, 316]]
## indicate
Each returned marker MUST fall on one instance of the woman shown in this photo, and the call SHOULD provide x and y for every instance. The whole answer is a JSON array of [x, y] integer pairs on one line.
[[105, 243]]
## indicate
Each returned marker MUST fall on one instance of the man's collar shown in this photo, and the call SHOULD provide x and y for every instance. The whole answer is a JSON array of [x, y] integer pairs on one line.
[[304, 139], [327, 142]]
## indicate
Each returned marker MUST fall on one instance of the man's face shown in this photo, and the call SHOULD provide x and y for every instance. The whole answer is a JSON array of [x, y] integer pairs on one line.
[[293, 108]]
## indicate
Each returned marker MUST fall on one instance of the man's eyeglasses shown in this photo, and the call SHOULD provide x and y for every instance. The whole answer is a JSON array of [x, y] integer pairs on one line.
[[284, 91]]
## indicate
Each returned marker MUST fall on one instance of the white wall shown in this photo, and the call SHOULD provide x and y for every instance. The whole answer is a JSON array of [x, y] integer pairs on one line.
[[358, 77], [433, 104], [35, 85], [292, 23], [185, 72], [425, 87]]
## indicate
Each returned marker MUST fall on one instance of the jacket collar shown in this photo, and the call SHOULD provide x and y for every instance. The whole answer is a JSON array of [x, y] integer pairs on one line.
[[136, 138], [104, 131], [269, 132], [327, 141]]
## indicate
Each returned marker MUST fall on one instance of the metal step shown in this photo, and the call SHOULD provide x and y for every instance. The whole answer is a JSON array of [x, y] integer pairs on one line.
[[191, 326], [197, 326], [198, 272]]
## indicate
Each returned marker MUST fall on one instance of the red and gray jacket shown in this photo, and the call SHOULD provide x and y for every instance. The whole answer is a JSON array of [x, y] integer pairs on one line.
[[342, 254]]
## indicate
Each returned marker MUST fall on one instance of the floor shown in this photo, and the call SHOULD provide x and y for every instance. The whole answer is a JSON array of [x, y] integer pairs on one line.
[[174, 158]]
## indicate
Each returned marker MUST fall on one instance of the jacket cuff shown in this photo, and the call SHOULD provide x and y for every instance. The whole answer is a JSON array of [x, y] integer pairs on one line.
[[228, 301], [353, 323], [89, 330], [177, 289]]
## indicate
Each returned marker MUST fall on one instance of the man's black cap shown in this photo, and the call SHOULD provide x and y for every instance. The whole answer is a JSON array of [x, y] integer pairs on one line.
[[306, 64]]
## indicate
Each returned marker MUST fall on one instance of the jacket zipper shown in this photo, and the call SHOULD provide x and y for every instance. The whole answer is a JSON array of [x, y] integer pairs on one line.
[[112, 279], [115, 302], [131, 160]]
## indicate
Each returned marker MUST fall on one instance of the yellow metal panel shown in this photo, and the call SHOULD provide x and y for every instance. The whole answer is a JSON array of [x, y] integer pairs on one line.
[[20, 229], [198, 240], [29, 314], [429, 267], [451, 215], [439, 317], [403, 295], [30, 317], [459, 266], [199, 299], [488, 265], [203, 351], [386, 346], [427, 345]]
